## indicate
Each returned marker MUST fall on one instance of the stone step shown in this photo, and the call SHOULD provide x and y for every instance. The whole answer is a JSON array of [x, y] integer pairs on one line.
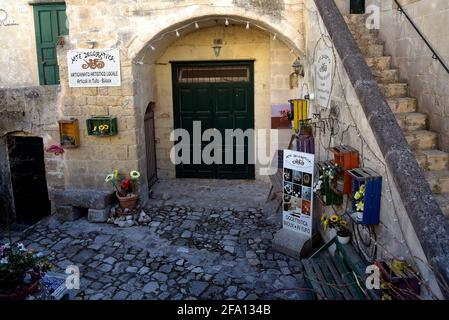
[[394, 90], [438, 181], [400, 105], [386, 76], [422, 139], [373, 50], [412, 121], [362, 42], [432, 160], [443, 201], [379, 63]]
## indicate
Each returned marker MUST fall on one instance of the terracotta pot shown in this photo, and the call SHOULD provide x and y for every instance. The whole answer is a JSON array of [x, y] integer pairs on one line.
[[127, 202]]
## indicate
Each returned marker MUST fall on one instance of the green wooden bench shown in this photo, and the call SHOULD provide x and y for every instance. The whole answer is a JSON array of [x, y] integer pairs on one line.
[[337, 277]]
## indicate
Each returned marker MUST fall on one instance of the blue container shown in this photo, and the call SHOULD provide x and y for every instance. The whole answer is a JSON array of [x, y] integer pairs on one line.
[[373, 192]]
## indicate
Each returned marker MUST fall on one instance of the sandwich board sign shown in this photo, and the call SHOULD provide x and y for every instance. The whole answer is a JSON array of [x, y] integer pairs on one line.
[[297, 192]]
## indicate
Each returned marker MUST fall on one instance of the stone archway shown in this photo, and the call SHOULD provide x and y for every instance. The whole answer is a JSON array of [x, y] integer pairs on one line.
[[152, 75]]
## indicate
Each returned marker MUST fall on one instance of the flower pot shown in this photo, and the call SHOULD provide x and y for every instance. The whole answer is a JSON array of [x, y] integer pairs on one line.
[[128, 202], [343, 236], [344, 240]]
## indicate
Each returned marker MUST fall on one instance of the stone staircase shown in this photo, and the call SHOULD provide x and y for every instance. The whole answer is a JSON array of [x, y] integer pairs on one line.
[[423, 142]]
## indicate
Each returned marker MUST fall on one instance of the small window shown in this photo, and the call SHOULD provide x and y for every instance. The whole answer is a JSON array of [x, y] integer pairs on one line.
[[213, 74]]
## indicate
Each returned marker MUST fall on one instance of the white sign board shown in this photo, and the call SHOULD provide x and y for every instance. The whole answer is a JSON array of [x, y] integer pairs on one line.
[[94, 68], [298, 195], [324, 66]]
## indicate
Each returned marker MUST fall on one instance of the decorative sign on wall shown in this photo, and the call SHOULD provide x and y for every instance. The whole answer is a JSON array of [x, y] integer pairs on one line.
[[94, 68], [298, 182], [324, 66], [5, 21]]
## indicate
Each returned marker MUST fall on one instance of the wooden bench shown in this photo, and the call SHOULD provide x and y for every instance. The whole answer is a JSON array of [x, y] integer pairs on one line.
[[337, 277]]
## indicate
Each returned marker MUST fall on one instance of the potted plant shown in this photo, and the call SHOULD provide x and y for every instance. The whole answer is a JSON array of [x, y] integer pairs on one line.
[[15, 263], [125, 188], [340, 225], [360, 202]]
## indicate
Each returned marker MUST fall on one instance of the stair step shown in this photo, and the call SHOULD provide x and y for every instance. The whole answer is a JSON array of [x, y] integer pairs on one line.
[[422, 139], [443, 202], [394, 90], [386, 76], [438, 181], [373, 50], [412, 121], [432, 160], [379, 63], [365, 42], [399, 105]]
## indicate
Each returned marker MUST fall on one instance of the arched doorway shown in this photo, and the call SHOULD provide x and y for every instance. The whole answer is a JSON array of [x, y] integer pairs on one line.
[[27, 180], [150, 145]]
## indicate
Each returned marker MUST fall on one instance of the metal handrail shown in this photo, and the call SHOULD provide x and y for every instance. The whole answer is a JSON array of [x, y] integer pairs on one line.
[[435, 54]]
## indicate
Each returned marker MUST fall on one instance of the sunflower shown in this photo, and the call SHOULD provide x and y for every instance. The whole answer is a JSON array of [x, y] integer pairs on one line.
[[134, 174], [323, 217], [334, 218], [343, 223], [109, 178]]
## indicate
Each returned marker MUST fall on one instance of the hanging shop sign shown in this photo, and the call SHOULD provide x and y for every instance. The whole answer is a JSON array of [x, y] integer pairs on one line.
[[94, 68], [324, 67], [298, 182]]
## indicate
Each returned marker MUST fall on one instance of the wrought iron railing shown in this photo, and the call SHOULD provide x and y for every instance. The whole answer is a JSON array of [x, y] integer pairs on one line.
[[435, 55]]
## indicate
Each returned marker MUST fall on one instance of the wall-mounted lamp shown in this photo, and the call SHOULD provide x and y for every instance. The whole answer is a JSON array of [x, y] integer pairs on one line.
[[218, 43], [298, 68], [91, 43]]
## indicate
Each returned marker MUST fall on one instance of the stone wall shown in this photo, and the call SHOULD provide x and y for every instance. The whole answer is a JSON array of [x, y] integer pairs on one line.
[[362, 117], [427, 79], [18, 57]]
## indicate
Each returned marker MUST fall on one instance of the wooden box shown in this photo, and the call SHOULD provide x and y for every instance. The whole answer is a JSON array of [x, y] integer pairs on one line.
[[102, 126], [69, 133], [373, 192], [347, 158]]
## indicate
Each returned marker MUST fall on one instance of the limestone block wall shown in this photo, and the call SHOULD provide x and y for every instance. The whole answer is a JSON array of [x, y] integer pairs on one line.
[[132, 26], [396, 236], [18, 59]]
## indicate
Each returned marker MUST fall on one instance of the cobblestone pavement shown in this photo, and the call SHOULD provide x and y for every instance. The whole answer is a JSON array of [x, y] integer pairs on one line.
[[182, 252]]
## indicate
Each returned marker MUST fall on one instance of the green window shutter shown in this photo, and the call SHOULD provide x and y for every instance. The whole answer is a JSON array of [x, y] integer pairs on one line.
[[50, 24]]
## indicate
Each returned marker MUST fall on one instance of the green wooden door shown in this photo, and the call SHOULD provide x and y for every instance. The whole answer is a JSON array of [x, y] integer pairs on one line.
[[50, 23], [220, 97]]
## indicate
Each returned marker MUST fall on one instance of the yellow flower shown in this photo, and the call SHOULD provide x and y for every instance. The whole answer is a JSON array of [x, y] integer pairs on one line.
[[362, 188], [323, 217], [343, 223], [358, 195], [115, 173], [334, 218], [134, 174], [360, 206], [109, 178]]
